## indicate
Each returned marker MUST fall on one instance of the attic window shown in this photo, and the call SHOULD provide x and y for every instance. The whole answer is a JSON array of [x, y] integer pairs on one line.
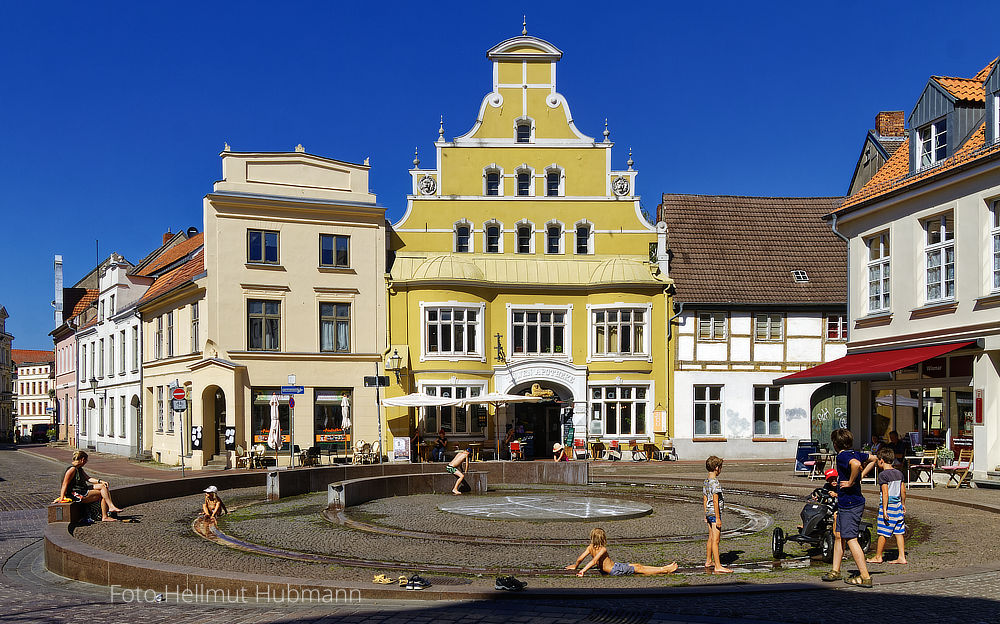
[[523, 132], [933, 143], [800, 276]]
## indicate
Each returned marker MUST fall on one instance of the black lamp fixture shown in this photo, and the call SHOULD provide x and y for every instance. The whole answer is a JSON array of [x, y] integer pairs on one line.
[[501, 357], [395, 363]]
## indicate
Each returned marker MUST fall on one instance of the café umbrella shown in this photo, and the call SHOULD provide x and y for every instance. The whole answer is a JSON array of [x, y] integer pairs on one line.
[[274, 435], [496, 399], [419, 399]]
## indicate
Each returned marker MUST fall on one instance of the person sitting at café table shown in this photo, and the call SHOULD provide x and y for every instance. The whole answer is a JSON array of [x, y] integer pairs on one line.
[[900, 448], [876, 444], [559, 453], [509, 437], [440, 446]]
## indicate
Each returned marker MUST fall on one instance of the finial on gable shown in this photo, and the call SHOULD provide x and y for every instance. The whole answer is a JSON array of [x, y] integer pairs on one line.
[[416, 159], [630, 162], [524, 25], [367, 161], [606, 132], [441, 129], [225, 147], [299, 148]]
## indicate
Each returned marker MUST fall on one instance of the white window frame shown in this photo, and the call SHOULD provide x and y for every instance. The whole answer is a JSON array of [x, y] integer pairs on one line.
[[121, 417], [769, 327], [531, 237], [716, 321], [195, 313], [493, 168], [941, 250], [562, 237], [768, 403], [158, 339], [838, 322], [111, 355], [590, 237], [111, 417], [486, 226], [561, 188], [453, 384], [159, 408], [600, 405], [478, 355], [707, 402], [929, 142], [530, 171], [994, 240], [531, 133], [881, 264], [121, 352], [645, 353], [454, 236], [566, 310]]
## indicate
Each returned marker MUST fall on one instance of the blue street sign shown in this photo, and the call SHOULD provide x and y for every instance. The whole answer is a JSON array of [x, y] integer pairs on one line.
[[293, 389]]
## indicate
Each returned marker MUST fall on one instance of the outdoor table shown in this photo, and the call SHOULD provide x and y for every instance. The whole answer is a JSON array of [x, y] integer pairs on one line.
[[424, 450], [596, 448], [917, 470], [820, 460], [477, 448], [649, 448]]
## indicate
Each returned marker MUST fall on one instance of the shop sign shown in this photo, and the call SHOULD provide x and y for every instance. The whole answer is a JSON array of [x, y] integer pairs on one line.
[[401, 449], [338, 435], [979, 407]]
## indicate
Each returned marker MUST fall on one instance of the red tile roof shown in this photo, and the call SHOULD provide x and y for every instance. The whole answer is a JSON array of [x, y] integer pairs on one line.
[[30, 356], [173, 254], [984, 73], [966, 89], [176, 277], [88, 298], [742, 250]]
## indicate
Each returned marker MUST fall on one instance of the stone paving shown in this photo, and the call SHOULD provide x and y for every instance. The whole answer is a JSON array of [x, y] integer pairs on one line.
[[30, 594]]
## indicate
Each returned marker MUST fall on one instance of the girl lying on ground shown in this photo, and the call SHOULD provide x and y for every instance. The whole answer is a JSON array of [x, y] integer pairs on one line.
[[598, 550]]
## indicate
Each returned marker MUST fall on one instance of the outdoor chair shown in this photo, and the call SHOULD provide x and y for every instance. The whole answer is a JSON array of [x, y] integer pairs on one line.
[[667, 453], [242, 458], [311, 456], [359, 451], [579, 449], [923, 466], [614, 452], [637, 454], [374, 452], [515, 450], [257, 460], [959, 472]]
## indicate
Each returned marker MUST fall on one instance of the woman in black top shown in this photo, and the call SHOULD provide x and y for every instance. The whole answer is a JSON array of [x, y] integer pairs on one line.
[[81, 488], [440, 446]]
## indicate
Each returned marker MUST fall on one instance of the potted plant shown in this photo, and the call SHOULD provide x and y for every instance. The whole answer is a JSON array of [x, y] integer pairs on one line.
[[918, 449], [945, 456]]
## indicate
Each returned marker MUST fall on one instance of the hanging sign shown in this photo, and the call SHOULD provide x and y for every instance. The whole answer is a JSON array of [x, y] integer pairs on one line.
[[978, 418]]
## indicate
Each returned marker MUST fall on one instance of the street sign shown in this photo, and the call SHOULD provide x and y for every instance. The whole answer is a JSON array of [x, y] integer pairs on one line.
[[50, 410], [178, 394], [179, 405], [372, 381], [293, 390], [291, 402]]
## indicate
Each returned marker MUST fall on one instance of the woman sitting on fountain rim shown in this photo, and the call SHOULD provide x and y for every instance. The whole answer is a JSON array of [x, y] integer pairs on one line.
[[82, 488]]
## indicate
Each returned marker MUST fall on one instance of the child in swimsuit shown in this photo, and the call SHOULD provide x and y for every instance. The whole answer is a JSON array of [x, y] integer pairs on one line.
[[598, 551]]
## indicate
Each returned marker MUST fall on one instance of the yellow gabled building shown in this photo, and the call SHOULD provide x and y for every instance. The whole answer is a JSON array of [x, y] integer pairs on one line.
[[524, 260]]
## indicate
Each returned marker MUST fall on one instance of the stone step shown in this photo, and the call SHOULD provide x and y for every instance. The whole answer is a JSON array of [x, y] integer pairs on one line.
[[992, 480]]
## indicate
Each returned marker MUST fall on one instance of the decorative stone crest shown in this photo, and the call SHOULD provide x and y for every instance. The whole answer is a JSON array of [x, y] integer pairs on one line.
[[620, 186], [427, 185]]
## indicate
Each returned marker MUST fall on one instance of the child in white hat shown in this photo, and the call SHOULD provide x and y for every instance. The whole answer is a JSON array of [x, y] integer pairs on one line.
[[213, 507]]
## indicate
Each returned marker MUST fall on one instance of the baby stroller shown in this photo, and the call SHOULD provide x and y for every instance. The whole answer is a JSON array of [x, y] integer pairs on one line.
[[817, 526]]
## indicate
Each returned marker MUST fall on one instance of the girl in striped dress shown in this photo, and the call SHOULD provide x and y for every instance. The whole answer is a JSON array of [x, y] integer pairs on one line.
[[892, 506]]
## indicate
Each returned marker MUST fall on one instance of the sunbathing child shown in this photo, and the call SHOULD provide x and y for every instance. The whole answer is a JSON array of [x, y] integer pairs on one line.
[[598, 551], [213, 507]]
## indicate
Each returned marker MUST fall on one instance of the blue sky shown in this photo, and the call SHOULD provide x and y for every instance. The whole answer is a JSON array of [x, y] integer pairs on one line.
[[113, 114]]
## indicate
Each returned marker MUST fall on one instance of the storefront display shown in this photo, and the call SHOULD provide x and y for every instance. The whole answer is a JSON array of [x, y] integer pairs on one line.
[[260, 415], [331, 418]]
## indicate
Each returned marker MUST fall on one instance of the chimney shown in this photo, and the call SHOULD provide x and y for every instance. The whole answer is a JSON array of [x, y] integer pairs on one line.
[[890, 124], [57, 303], [662, 257], [167, 236]]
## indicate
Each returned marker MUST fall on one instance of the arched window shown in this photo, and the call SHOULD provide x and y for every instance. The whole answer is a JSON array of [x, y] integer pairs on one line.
[[524, 130], [493, 237], [584, 238], [525, 181], [553, 238], [525, 238], [554, 181], [463, 237], [492, 185]]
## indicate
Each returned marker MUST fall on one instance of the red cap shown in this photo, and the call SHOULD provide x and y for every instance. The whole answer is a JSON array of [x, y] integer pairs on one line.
[[830, 474]]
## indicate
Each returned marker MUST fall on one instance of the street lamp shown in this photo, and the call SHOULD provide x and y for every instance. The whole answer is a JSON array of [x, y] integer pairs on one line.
[[395, 363]]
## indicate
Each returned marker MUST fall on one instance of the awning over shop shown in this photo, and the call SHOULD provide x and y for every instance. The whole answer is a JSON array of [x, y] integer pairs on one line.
[[876, 365]]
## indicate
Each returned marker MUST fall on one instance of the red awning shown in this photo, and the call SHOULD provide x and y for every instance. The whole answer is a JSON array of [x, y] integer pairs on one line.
[[873, 365]]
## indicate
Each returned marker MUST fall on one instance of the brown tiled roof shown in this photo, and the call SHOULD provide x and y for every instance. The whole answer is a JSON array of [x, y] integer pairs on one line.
[[88, 298], [890, 144], [30, 356], [742, 250], [173, 254], [176, 277]]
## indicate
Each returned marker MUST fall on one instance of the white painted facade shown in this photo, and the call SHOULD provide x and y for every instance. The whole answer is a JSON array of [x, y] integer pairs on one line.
[[736, 363], [109, 364]]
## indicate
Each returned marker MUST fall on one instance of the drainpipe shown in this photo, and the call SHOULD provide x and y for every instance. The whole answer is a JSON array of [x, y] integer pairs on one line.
[[833, 226], [679, 306]]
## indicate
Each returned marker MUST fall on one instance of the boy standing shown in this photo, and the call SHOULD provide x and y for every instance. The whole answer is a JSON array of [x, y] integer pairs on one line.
[[892, 506], [461, 457], [711, 494], [852, 466]]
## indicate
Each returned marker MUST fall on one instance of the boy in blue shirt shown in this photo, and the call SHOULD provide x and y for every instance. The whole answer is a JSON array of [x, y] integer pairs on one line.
[[852, 466]]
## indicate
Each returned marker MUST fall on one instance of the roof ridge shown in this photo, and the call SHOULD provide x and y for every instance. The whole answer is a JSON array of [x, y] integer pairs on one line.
[[755, 196]]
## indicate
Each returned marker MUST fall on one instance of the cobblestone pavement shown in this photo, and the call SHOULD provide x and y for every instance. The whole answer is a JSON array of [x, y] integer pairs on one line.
[[29, 593]]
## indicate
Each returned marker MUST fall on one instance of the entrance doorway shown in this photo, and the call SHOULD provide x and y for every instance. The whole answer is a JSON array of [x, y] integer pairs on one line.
[[214, 419], [542, 421]]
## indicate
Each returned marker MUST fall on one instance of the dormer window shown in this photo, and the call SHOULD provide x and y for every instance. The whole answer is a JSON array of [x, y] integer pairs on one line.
[[933, 143], [800, 276], [492, 182], [524, 132]]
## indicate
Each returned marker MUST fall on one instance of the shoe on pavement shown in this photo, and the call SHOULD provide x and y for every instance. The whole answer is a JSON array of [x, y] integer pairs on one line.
[[509, 583], [831, 576], [859, 581], [417, 582]]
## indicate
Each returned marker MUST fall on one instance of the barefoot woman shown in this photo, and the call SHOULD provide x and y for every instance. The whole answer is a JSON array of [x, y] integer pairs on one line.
[[85, 489]]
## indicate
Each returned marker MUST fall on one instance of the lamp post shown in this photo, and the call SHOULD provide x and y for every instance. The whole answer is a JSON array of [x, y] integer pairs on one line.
[[395, 363]]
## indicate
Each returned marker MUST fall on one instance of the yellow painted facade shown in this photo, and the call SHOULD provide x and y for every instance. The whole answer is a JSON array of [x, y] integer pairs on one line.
[[524, 258]]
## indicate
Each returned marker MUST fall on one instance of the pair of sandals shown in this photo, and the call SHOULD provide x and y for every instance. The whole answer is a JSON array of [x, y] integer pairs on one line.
[[856, 580], [382, 579]]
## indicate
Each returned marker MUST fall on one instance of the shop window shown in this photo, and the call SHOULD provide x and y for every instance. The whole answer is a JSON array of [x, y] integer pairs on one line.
[[767, 410], [260, 415], [960, 366], [707, 410], [622, 409], [332, 408]]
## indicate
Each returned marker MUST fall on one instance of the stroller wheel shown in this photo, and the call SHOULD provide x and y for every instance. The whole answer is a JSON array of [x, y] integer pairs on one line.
[[777, 543], [865, 538]]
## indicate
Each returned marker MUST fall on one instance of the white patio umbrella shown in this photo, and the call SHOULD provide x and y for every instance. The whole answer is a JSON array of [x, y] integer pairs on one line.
[[345, 411], [419, 399], [274, 435], [496, 399]]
